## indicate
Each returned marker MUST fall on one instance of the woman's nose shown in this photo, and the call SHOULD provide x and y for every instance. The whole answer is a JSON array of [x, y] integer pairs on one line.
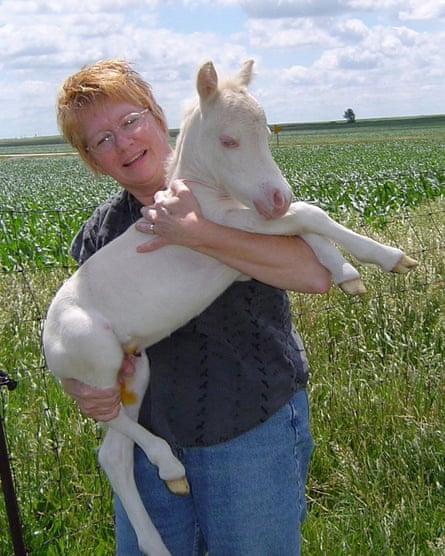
[[122, 140]]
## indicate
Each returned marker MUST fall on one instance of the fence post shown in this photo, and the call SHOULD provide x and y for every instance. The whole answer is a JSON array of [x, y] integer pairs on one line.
[[12, 508]]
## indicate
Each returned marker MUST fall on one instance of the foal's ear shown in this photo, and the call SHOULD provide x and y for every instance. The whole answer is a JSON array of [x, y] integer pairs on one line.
[[245, 73], [207, 80]]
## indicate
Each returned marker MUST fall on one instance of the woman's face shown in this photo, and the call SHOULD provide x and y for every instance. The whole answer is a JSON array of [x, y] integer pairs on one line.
[[135, 154]]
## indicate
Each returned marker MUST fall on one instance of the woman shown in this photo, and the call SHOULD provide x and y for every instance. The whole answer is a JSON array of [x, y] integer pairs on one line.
[[228, 390]]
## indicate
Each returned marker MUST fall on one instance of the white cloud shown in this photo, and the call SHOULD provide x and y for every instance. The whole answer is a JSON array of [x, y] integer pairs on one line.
[[379, 70], [425, 10], [383, 57], [374, 5], [404, 9], [349, 30], [288, 33], [291, 8]]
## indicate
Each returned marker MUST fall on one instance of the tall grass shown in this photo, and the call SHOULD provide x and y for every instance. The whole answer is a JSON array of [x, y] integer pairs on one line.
[[63, 499], [377, 477]]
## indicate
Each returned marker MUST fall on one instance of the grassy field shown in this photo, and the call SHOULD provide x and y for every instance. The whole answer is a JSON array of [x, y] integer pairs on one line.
[[377, 477]]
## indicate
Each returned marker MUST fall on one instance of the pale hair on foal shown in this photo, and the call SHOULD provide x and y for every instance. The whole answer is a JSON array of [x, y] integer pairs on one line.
[[89, 328]]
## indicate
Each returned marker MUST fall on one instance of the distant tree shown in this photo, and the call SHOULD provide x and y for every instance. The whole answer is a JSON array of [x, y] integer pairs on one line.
[[349, 116]]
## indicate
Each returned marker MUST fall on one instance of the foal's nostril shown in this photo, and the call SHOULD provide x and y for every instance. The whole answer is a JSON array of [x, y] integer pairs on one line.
[[272, 202], [278, 199]]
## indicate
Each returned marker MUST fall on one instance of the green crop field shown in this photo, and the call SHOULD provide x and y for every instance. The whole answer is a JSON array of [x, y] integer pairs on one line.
[[377, 477]]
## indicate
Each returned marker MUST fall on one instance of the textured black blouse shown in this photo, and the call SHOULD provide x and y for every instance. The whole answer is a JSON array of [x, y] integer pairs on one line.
[[225, 371]]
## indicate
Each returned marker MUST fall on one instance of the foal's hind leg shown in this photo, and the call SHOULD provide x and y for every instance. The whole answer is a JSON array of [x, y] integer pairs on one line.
[[156, 449], [116, 459]]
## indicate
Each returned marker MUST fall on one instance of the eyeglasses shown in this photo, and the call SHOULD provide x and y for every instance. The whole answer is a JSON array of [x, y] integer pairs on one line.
[[105, 141]]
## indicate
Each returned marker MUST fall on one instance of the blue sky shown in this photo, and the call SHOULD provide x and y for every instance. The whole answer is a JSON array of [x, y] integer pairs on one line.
[[314, 58]]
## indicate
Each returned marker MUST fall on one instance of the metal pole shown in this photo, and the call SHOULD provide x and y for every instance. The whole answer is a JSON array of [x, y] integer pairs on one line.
[[12, 508]]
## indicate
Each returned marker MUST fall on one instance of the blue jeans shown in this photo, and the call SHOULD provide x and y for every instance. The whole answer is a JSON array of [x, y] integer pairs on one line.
[[247, 494]]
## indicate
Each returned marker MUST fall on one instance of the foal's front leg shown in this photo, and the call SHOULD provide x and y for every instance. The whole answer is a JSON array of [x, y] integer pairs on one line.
[[312, 219], [344, 274], [309, 221]]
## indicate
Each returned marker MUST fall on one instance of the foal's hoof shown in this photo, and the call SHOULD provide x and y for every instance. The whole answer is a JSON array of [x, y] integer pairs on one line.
[[180, 487], [353, 287], [404, 265]]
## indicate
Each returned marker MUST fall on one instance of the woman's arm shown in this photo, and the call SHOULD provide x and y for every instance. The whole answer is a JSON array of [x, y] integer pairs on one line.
[[102, 404], [281, 261], [284, 262]]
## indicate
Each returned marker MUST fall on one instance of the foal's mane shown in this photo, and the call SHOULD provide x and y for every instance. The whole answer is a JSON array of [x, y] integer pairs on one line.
[[173, 159]]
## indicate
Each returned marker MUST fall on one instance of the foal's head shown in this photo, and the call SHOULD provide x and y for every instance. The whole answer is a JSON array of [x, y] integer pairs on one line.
[[225, 143]]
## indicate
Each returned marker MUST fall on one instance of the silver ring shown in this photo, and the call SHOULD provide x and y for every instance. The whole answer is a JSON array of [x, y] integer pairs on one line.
[[152, 228]]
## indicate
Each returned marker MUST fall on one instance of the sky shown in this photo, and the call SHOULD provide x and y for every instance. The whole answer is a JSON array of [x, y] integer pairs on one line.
[[313, 58]]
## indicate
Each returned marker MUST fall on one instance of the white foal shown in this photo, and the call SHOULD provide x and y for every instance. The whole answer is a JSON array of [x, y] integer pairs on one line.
[[120, 301]]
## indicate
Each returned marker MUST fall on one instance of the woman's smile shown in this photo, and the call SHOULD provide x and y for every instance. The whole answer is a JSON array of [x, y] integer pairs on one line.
[[136, 158]]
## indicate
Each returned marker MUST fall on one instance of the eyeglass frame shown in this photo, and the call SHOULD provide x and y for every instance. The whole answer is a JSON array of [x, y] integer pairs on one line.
[[110, 142]]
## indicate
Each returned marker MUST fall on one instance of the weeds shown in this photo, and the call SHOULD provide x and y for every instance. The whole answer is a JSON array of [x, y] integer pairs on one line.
[[377, 477]]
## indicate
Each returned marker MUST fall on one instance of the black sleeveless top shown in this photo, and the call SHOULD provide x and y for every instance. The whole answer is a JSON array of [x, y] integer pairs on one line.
[[225, 371]]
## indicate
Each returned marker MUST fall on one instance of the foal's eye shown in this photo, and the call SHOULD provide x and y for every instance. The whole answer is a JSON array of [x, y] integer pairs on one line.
[[228, 142]]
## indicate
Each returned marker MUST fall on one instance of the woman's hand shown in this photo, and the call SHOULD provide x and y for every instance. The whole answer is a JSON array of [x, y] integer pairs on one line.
[[102, 404], [285, 262], [175, 218]]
